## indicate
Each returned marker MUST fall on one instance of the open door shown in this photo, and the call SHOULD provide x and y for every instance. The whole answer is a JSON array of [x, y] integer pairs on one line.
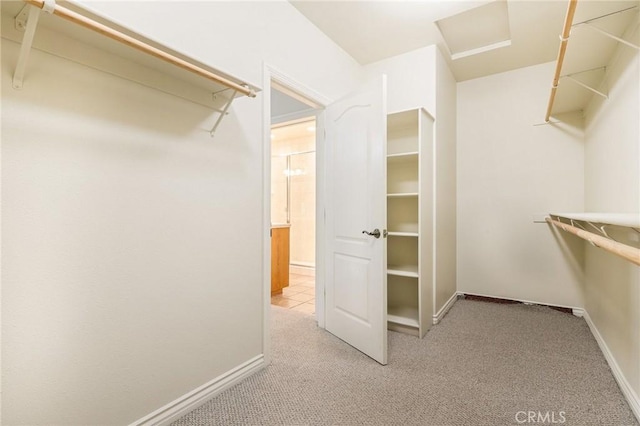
[[356, 279]]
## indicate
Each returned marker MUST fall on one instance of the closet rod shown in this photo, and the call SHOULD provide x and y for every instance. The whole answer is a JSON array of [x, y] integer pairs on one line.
[[632, 254], [564, 38], [139, 45]]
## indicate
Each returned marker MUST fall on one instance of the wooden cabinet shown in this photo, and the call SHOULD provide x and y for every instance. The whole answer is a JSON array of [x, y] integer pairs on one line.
[[279, 258], [410, 221]]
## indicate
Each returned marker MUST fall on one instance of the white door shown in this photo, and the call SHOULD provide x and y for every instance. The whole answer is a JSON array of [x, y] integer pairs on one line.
[[356, 279]]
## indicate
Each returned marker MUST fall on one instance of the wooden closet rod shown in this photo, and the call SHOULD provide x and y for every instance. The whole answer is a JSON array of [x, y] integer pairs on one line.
[[566, 32], [632, 254], [141, 46]]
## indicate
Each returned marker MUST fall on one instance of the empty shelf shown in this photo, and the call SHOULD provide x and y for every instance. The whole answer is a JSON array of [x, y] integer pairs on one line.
[[403, 157], [404, 315], [403, 195], [403, 270], [631, 220], [402, 234]]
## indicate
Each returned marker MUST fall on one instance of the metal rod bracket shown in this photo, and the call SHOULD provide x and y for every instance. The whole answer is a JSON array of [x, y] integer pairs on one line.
[[27, 42], [608, 34], [224, 112], [586, 86], [21, 18]]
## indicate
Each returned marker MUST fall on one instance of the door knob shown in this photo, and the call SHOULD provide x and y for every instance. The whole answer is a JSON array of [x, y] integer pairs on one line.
[[375, 233]]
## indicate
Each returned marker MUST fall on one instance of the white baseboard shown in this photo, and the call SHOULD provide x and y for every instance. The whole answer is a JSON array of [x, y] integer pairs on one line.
[[309, 271], [578, 312], [188, 402], [625, 387], [443, 311]]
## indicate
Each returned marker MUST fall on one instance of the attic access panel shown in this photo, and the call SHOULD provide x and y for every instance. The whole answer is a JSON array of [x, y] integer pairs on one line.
[[476, 30]]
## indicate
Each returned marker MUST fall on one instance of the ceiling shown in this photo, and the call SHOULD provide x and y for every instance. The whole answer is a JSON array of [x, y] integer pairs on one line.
[[283, 106], [370, 31]]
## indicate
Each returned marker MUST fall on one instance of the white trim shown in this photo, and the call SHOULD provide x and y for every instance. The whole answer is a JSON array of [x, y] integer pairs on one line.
[[272, 77], [625, 387], [266, 216], [190, 401], [443, 311]]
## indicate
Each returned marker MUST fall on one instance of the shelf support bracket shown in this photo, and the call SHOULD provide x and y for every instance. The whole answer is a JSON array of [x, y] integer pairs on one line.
[[27, 42], [608, 34], [579, 83], [222, 113]]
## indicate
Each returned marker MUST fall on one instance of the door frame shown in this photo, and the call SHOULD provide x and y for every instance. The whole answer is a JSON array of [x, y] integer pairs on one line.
[[274, 78]]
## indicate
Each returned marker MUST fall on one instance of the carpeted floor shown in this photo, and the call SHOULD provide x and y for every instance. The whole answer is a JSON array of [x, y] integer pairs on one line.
[[484, 364]]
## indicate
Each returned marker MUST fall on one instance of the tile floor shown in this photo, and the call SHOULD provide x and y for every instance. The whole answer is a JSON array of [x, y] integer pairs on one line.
[[299, 295]]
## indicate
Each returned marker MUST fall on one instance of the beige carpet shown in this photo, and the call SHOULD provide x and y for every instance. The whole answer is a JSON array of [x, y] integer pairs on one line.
[[484, 364]]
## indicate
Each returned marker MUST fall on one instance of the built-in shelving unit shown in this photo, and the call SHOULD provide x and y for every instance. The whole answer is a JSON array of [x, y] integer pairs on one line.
[[409, 207]]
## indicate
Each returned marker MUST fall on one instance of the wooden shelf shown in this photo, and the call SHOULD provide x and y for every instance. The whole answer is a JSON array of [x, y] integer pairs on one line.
[[410, 271], [404, 315]]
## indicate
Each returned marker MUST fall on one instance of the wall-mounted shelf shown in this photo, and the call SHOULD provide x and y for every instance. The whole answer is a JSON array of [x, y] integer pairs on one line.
[[628, 220], [76, 34], [583, 225], [587, 46]]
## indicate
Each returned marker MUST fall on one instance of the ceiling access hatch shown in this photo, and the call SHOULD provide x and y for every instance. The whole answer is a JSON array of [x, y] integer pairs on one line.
[[476, 30]]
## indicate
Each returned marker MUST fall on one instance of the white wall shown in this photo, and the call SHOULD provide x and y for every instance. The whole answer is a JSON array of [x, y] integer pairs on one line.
[[445, 164], [237, 37], [411, 79], [612, 184], [509, 170], [132, 243]]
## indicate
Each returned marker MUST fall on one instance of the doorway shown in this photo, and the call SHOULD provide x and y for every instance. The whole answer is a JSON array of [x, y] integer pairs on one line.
[[293, 203], [293, 214]]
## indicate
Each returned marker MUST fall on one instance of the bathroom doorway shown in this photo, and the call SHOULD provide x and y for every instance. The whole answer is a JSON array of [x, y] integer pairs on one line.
[[293, 203], [293, 208]]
